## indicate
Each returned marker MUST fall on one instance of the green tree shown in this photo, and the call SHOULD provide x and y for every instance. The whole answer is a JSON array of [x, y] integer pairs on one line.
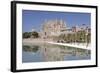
[[35, 34], [26, 35]]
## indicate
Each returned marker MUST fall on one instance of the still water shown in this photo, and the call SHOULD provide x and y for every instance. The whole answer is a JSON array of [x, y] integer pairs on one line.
[[47, 52]]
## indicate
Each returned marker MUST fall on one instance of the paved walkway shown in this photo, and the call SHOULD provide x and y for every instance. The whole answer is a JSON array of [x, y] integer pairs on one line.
[[39, 41], [83, 46]]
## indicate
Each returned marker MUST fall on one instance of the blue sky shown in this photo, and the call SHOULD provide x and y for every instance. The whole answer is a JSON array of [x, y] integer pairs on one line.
[[34, 19]]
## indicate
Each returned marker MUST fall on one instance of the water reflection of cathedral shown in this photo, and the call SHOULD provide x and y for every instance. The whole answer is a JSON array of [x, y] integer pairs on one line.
[[59, 53], [52, 54]]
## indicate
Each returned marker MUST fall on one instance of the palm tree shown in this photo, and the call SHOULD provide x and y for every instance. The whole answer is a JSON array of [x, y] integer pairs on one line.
[[84, 29], [87, 36]]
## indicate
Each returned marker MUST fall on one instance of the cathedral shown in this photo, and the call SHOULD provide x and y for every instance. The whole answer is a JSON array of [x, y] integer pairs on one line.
[[53, 28]]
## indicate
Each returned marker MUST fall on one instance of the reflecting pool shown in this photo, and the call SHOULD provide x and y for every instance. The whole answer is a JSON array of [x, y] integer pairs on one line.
[[48, 52]]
